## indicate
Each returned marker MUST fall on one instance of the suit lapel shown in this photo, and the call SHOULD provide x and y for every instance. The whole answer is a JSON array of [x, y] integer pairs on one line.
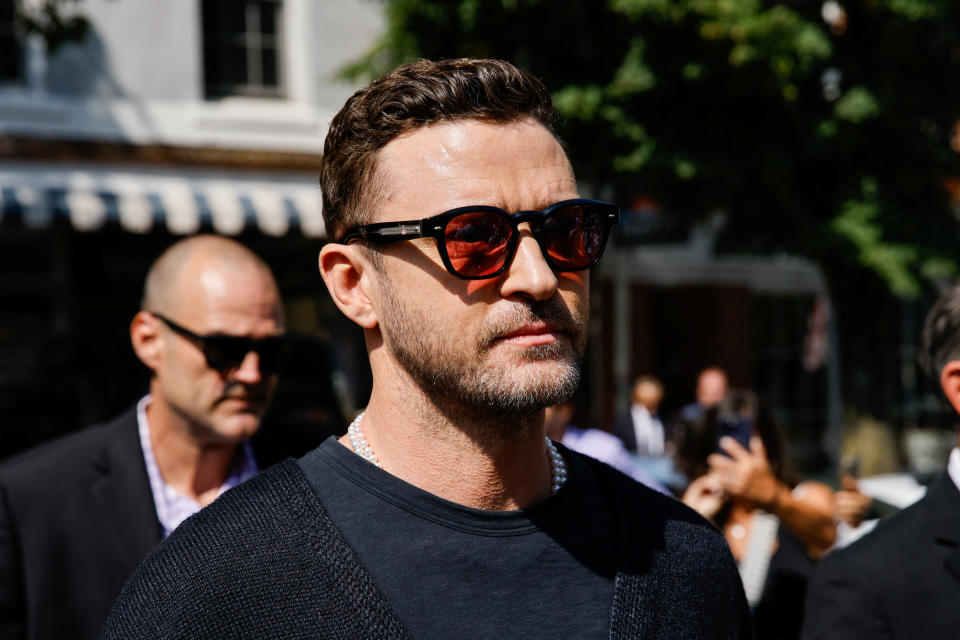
[[943, 500], [122, 493], [625, 429]]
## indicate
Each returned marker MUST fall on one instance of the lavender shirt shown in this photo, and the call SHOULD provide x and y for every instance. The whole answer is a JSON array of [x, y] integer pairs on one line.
[[608, 448], [172, 506]]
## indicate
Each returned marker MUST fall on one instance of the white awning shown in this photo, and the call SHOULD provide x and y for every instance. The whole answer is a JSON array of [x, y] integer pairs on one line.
[[139, 199]]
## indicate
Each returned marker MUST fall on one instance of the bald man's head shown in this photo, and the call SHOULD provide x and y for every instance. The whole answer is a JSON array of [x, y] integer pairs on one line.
[[208, 332], [711, 386], [179, 267]]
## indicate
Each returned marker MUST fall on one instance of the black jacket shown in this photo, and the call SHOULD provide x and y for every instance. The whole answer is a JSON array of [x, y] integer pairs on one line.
[[266, 561], [76, 518], [900, 581]]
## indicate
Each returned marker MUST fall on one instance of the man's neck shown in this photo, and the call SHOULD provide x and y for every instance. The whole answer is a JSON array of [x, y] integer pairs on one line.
[[454, 456], [191, 467]]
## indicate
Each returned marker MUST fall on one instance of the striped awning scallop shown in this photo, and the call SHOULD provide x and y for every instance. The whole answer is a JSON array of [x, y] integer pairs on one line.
[[183, 200]]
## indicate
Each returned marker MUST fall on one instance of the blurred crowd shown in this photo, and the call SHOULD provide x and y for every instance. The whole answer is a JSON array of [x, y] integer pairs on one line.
[[724, 455]]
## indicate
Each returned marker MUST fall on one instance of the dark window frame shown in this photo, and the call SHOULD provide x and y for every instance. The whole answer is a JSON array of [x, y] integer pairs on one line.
[[11, 46], [224, 75]]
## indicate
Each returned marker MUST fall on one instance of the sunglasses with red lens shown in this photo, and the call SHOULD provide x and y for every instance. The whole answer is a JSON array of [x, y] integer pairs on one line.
[[224, 352], [479, 242]]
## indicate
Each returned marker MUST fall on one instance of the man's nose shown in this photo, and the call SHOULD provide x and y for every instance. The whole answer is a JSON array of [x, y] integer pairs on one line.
[[529, 275], [249, 370]]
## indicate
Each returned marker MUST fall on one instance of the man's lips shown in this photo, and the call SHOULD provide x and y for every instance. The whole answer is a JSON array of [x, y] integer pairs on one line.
[[248, 402], [533, 334]]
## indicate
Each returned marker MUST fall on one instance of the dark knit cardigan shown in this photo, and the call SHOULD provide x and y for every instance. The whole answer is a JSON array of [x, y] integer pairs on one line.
[[266, 561]]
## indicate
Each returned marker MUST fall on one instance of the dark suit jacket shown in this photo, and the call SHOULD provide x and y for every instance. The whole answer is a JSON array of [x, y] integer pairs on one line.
[[76, 518], [900, 581], [623, 429]]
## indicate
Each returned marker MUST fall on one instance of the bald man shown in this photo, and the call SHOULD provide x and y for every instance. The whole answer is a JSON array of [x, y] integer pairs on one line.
[[78, 514]]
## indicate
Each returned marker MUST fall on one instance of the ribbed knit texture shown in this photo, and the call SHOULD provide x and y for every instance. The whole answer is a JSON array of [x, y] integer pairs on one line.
[[266, 561], [677, 579]]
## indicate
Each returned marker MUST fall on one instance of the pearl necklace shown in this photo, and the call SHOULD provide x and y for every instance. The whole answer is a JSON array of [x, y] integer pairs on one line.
[[558, 467]]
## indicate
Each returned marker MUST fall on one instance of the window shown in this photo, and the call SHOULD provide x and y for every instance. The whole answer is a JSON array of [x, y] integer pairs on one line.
[[11, 53], [241, 48]]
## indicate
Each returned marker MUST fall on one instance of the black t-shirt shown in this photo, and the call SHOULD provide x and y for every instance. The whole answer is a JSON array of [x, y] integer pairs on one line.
[[449, 571]]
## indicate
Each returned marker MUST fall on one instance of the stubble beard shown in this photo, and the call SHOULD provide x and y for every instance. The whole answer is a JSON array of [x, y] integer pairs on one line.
[[458, 377]]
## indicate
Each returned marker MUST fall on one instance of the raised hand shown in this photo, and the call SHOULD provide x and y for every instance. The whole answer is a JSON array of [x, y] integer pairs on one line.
[[746, 474]]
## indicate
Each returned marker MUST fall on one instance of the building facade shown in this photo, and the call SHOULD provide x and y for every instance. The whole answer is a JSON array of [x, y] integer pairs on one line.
[[165, 119]]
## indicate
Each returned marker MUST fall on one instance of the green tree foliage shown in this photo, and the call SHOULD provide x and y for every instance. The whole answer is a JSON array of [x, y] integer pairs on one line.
[[828, 139], [57, 22]]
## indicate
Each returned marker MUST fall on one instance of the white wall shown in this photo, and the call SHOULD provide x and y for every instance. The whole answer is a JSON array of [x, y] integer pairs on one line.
[[137, 49], [138, 78]]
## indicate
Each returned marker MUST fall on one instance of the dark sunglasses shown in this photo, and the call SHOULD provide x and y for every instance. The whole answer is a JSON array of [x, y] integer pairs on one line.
[[479, 242], [224, 352]]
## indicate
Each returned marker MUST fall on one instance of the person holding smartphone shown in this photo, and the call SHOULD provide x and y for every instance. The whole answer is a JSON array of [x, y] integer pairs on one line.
[[776, 527]]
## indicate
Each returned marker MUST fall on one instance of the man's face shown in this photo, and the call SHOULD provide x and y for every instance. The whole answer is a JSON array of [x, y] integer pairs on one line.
[[649, 395], [220, 407], [711, 387], [509, 344]]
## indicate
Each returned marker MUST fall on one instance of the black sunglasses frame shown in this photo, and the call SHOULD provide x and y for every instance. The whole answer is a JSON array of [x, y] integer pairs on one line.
[[384, 233], [271, 350]]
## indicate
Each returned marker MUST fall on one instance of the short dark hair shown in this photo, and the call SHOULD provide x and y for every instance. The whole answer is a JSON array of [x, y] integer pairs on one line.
[[940, 339], [412, 96]]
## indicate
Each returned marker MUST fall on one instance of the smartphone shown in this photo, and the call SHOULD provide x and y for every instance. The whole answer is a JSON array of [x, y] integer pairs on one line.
[[850, 466], [737, 427]]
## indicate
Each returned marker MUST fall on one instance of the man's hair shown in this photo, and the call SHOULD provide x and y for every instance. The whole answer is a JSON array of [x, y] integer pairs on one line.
[[412, 96], [940, 339], [713, 369], [648, 379]]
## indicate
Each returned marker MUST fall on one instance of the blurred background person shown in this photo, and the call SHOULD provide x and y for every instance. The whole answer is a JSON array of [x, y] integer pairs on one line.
[[852, 509], [775, 527], [640, 429], [595, 443], [78, 514], [712, 386]]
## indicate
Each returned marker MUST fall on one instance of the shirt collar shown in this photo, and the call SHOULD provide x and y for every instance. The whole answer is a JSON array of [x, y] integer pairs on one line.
[[953, 466], [173, 507]]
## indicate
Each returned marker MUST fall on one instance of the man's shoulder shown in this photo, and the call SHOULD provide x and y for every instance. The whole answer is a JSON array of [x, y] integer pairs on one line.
[[896, 576], [275, 502], [266, 542], [232, 535], [672, 559], [662, 516], [67, 453], [895, 538]]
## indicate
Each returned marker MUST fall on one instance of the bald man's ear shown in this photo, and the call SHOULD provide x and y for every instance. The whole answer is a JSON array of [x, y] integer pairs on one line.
[[146, 339], [950, 383], [349, 278]]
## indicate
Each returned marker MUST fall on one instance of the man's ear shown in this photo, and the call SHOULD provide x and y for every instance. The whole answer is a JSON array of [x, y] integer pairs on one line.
[[146, 339], [950, 383], [349, 277]]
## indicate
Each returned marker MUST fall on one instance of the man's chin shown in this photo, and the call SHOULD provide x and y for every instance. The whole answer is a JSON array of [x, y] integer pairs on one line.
[[549, 359], [527, 386], [236, 428]]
